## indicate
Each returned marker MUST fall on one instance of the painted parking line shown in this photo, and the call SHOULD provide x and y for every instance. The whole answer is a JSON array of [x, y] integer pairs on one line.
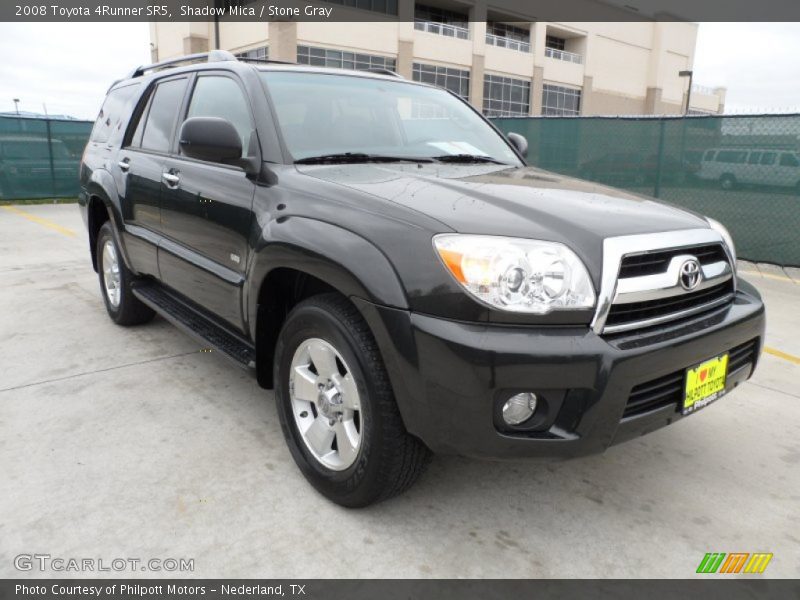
[[768, 276], [784, 355], [43, 222]]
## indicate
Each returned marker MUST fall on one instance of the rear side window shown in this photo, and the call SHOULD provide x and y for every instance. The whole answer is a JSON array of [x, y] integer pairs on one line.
[[113, 114], [709, 155], [161, 115], [731, 156], [217, 96]]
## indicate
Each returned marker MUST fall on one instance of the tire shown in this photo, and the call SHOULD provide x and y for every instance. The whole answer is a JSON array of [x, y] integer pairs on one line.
[[378, 458], [727, 182], [123, 307]]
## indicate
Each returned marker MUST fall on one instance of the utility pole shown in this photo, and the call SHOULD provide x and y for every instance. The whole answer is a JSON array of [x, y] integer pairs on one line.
[[16, 105]]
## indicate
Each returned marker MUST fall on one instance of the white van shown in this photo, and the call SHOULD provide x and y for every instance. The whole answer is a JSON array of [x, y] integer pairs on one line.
[[734, 166]]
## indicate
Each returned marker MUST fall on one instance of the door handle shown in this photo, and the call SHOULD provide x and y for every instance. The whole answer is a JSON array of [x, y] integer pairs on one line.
[[124, 165], [170, 179]]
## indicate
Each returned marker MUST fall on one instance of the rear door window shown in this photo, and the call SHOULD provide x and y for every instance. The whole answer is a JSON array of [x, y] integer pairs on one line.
[[755, 157], [768, 158], [162, 114], [113, 114], [788, 160]]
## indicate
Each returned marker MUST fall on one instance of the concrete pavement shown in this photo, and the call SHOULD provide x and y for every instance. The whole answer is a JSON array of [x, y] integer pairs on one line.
[[130, 443]]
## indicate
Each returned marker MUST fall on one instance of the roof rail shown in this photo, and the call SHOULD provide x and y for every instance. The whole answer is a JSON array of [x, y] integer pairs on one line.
[[382, 71], [264, 61], [213, 56]]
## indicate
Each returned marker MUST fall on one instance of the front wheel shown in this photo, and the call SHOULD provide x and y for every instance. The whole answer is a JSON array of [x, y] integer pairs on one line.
[[337, 409]]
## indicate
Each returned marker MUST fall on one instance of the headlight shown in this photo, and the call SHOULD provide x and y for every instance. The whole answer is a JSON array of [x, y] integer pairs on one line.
[[720, 229], [516, 274]]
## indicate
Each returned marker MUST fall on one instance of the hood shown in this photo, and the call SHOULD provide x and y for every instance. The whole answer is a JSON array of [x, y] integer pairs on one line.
[[520, 202]]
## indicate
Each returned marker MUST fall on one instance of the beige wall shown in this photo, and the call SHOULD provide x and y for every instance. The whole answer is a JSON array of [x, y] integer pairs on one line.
[[627, 68]]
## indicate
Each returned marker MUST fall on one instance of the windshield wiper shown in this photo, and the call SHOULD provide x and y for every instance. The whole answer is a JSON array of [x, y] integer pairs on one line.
[[469, 158], [357, 157]]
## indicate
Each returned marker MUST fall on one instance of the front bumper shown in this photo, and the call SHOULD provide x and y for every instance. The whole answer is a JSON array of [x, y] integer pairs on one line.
[[450, 377]]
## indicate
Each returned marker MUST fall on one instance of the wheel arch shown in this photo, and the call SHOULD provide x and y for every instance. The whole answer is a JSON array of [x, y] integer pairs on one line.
[[307, 257], [100, 208]]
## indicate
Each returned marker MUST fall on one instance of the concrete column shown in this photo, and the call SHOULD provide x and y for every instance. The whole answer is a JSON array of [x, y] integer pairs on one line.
[[283, 40], [652, 102], [586, 95], [405, 38], [537, 87], [476, 81], [538, 34], [721, 93], [197, 38], [477, 32], [192, 44], [405, 58]]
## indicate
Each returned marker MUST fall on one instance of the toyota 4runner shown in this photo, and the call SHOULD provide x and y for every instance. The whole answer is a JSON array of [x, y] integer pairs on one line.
[[380, 254]]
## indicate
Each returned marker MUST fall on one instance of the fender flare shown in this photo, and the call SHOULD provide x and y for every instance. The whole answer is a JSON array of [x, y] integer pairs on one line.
[[348, 262], [101, 186]]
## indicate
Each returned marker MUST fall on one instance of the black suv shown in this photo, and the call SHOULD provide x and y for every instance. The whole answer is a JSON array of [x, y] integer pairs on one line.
[[379, 254]]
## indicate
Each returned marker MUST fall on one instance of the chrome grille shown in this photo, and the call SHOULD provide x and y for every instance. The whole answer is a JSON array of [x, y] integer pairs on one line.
[[662, 278], [639, 312], [651, 263]]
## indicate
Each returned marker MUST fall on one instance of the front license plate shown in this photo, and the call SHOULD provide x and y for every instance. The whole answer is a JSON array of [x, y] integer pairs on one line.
[[704, 383]]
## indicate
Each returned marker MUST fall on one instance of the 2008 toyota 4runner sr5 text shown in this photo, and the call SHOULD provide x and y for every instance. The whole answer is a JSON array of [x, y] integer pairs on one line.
[[379, 254]]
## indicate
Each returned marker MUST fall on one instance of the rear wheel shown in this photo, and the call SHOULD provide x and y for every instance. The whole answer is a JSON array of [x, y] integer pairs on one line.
[[727, 182], [115, 282], [337, 409]]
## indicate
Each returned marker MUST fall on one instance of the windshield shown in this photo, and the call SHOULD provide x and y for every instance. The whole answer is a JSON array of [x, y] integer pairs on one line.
[[325, 115]]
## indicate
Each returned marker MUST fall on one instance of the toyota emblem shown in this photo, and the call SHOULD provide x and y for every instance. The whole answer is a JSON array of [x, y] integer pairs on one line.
[[690, 274]]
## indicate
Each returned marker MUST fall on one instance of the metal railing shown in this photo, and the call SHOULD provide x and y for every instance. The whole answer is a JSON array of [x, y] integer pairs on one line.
[[564, 55], [454, 31], [703, 89], [505, 42]]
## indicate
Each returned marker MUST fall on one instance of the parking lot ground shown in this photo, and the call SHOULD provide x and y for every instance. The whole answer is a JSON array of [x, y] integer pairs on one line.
[[131, 443]]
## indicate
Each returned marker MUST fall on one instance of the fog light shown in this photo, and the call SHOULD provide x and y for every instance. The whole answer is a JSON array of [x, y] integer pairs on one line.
[[519, 408]]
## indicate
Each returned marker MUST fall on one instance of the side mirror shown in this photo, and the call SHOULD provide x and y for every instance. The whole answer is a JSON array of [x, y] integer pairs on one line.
[[210, 138], [519, 142]]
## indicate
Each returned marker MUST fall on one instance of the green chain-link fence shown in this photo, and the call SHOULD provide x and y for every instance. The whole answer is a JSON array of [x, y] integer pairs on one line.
[[39, 158], [743, 171]]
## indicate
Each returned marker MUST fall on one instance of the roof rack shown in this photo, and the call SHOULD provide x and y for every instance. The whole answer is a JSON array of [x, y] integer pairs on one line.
[[213, 56], [382, 71], [264, 61]]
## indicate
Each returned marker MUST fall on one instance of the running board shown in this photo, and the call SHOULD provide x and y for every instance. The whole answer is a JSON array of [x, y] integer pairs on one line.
[[192, 322]]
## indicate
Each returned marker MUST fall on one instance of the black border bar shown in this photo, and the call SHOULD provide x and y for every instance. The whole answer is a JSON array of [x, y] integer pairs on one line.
[[712, 587], [337, 10]]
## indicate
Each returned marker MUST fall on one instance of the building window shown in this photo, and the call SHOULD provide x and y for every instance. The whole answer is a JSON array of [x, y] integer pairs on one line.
[[261, 53], [555, 42], [508, 36], [441, 21], [455, 80], [559, 101], [339, 59], [388, 7], [506, 97]]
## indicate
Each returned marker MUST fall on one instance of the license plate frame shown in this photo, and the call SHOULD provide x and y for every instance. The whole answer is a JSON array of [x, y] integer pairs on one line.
[[699, 389]]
